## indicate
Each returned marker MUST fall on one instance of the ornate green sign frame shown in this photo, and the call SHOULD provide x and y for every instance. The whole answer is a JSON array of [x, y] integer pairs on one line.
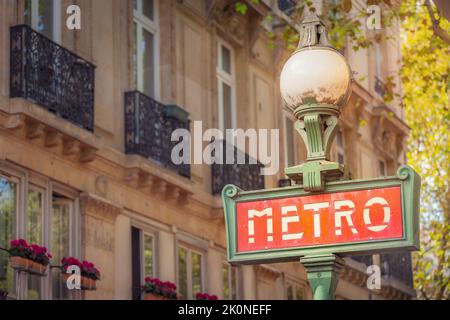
[[406, 178]]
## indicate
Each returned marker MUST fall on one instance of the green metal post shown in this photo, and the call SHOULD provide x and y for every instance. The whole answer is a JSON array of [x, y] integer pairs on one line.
[[323, 274]]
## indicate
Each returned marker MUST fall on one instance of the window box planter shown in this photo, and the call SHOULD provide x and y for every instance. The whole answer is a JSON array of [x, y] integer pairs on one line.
[[27, 265], [152, 296], [85, 282]]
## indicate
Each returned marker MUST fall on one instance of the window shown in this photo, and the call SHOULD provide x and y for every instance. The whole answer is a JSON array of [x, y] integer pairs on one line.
[[8, 214], [35, 215], [143, 259], [61, 219], [230, 281], [190, 272], [295, 291], [340, 154], [44, 17], [290, 146], [24, 213], [226, 87], [145, 47], [378, 60]]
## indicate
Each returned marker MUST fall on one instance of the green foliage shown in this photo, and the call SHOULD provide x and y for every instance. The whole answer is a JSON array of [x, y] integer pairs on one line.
[[425, 78]]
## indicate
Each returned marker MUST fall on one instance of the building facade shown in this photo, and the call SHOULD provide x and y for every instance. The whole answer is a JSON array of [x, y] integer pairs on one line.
[[85, 123]]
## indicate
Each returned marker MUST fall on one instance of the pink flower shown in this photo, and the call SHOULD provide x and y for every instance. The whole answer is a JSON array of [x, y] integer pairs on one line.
[[147, 279]]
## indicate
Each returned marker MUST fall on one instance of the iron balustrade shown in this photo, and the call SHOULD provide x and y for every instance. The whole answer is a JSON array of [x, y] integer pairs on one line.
[[246, 176], [148, 130], [51, 76], [397, 266]]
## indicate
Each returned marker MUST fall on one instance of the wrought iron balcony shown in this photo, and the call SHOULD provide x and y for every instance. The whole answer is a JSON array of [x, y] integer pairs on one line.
[[367, 260], [51, 76], [246, 176], [148, 128], [398, 266], [379, 87]]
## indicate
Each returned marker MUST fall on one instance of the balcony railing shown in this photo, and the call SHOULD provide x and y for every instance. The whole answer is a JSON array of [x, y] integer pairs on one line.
[[246, 176], [398, 266], [379, 87], [51, 76], [148, 128], [367, 260]]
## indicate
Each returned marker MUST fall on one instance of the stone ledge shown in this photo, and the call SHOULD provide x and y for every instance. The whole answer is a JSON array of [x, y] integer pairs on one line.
[[31, 122]]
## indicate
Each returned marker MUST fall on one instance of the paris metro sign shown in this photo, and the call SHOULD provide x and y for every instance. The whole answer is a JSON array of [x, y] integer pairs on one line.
[[349, 217]]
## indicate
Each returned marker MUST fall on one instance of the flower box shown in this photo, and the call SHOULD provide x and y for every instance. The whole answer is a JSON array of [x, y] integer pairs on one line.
[[19, 263], [37, 269], [85, 282], [27, 265], [152, 296]]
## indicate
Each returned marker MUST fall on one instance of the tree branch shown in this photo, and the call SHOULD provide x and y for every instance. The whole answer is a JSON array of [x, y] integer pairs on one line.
[[437, 30]]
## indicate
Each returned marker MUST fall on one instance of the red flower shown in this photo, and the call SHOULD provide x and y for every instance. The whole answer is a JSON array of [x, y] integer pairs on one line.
[[147, 279]]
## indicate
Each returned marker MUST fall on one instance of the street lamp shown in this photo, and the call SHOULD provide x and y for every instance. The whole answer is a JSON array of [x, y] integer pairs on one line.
[[315, 82]]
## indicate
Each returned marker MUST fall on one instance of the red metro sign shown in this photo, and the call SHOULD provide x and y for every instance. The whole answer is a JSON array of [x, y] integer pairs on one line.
[[349, 217], [322, 219]]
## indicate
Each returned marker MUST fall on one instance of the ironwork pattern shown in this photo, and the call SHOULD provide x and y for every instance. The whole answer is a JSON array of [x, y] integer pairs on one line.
[[246, 176], [148, 131], [51, 76], [398, 266]]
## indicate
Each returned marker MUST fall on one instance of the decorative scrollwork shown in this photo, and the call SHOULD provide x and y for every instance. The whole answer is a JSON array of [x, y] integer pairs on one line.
[[51, 76], [404, 172], [230, 191]]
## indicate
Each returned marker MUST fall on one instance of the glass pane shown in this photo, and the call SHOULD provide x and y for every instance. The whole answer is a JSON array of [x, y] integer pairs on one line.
[[60, 244], [182, 272], [148, 65], [227, 112], [225, 281], [135, 4], [233, 283], [290, 148], [45, 18], [148, 256], [226, 60], [299, 293], [34, 235], [27, 12], [196, 273], [7, 231], [147, 8], [290, 292]]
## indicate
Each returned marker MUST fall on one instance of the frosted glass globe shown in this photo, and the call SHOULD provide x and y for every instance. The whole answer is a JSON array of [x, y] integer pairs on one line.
[[315, 75]]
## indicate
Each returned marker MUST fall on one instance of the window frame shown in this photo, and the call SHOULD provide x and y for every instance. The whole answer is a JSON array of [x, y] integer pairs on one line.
[[56, 18], [230, 280], [152, 26], [154, 256], [229, 79], [28, 180], [294, 284], [189, 249]]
